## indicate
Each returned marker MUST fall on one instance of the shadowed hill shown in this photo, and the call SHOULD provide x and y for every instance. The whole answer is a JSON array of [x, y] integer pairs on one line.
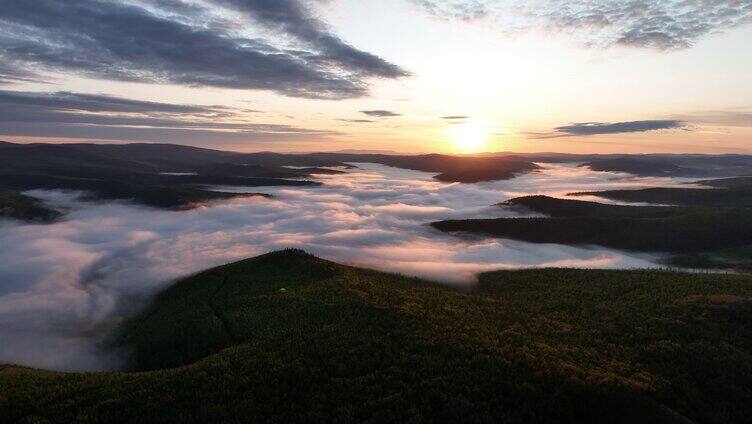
[[287, 337], [563, 208], [639, 228], [721, 192], [674, 165], [18, 206]]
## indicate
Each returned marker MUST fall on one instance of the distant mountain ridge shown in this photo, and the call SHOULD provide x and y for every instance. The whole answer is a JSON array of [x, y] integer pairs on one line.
[[140, 171], [173, 157]]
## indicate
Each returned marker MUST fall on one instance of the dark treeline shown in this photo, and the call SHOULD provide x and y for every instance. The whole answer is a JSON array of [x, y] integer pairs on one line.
[[640, 228]]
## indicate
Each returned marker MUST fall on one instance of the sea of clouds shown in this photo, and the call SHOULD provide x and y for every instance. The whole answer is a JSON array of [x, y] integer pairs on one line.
[[65, 286]]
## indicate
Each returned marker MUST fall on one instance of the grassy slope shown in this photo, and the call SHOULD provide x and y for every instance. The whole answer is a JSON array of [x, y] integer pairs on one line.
[[347, 345], [675, 229]]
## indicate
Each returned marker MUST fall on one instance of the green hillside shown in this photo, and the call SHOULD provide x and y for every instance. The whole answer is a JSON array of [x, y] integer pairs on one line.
[[287, 337]]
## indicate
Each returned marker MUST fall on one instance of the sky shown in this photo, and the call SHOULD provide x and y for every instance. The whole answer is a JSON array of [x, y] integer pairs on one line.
[[453, 76]]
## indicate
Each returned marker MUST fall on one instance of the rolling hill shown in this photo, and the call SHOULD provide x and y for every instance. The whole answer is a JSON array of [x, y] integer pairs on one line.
[[287, 337], [176, 177], [638, 228]]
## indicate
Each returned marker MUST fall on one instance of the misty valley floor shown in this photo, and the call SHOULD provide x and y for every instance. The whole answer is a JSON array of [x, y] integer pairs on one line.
[[287, 337], [67, 283]]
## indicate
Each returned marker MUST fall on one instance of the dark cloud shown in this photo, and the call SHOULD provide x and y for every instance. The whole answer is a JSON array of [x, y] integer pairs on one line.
[[596, 128], [380, 113], [294, 18], [87, 116], [141, 42], [357, 121], [64, 100], [659, 25], [454, 117]]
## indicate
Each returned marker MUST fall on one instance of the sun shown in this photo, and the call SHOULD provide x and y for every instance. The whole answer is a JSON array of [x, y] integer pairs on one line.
[[469, 137]]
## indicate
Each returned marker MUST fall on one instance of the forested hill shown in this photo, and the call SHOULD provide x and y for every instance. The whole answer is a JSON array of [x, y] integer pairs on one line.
[[287, 337]]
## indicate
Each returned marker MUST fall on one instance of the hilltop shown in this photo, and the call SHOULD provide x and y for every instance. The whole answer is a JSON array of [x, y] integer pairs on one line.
[[288, 337]]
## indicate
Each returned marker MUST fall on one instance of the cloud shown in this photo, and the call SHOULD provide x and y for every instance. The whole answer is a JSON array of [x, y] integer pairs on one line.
[[10, 74], [380, 113], [657, 25], [67, 285], [98, 116], [597, 128], [65, 100], [727, 118], [157, 41], [455, 119], [465, 10], [357, 121], [294, 18]]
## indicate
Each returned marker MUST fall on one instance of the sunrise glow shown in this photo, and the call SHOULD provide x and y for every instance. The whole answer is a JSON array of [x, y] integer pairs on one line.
[[469, 137]]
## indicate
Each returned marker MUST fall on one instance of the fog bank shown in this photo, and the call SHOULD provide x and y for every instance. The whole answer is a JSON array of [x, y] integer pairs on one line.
[[66, 285]]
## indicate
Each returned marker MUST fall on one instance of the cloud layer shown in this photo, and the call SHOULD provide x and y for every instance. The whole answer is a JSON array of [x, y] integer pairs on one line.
[[189, 43], [76, 115], [465, 10], [596, 128], [10, 74], [659, 25], [66, 285]]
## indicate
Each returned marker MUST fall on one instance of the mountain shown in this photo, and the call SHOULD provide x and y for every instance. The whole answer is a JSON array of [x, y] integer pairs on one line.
[[287, 337]]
